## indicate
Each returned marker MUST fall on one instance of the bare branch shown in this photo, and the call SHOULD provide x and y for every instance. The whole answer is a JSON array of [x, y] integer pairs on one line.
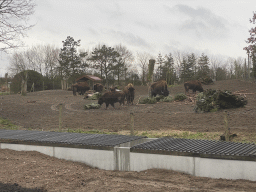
[[13, 25]]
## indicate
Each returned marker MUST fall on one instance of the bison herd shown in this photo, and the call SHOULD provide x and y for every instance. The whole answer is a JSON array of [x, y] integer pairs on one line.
[[117, 96]]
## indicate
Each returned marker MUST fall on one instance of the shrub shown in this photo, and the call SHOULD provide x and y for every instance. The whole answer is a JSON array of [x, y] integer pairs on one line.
[[213, 100], [92, 106], [159, 97], [148, 100], [180, 97], [95, 96], [167, 99]]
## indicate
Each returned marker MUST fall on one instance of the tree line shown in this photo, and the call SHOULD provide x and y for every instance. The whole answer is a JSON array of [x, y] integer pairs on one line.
[[117, 65]]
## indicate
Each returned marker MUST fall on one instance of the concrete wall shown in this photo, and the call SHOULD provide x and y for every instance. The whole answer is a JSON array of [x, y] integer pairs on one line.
[[226, 169], [144, 161], [201, 167], [103, 159], [47, 150], [120, 158]]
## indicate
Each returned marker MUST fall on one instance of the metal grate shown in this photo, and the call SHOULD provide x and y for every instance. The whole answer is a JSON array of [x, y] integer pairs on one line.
[[197, 147], [65, 138]]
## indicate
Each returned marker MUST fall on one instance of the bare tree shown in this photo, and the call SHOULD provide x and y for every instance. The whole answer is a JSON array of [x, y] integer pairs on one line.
[[18, 64], [143, 59], [14, 14], [123, 62]]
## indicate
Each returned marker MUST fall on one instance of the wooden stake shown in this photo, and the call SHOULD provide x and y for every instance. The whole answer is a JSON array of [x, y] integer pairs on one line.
[[132, 123], [60, 117], [227, 131]]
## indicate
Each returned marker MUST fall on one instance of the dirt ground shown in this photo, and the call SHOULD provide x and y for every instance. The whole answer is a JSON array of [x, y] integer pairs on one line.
[[32, 171]]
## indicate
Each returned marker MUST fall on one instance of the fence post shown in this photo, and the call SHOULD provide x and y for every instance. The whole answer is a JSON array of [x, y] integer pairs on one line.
[[132, 123], [227, 131], [60, 117]]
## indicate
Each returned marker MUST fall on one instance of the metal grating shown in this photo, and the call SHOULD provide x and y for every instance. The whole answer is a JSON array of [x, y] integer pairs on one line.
[[201, 148], [65, 138]]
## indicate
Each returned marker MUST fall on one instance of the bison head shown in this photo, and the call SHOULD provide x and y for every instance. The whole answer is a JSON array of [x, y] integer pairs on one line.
[[100, 101], [131, 89], [165, 93]]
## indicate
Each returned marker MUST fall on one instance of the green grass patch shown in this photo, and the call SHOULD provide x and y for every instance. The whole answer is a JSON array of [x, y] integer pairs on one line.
[[7, 124], [4, 93]]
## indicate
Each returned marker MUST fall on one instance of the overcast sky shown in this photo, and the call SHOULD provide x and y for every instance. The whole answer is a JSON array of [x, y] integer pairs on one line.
[[153, 26]]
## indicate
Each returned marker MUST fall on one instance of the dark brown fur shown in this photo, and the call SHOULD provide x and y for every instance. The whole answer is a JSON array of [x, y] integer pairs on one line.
[[80, 87], [159, 88], [98, 87], [194, 85], [111, 98], [129, 92]]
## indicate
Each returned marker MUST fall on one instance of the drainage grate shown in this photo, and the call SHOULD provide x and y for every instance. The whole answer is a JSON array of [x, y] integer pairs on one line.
[[41, 137], [200, 148]]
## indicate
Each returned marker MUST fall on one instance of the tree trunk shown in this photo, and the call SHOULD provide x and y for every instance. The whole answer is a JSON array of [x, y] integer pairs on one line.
[[24, 83]]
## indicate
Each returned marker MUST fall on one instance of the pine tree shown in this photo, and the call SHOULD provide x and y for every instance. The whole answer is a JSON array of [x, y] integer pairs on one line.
[[168, 69], [159, 71], [203, 67], [186, 70], [70, 61], [105, 59], [251, 48]]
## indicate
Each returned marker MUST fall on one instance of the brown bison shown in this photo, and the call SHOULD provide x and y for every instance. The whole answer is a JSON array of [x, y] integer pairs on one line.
[[159, 88], [80, 87], [195, 85], [129, 92], [98, 87], [111, 98]]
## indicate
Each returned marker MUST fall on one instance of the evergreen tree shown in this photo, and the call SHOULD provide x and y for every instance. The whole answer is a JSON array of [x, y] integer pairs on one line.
[[192, 63], [105, 59], [71, 64], [168, 69], [159, 70], [251, 48], [186, 69], [203, 67], [220, 74]]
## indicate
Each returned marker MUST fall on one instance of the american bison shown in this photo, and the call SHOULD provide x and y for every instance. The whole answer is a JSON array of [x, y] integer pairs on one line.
[[195, 85], [113, 89], [80, 87], [129, 92], [160, 88], [98, 87], [111, 98]]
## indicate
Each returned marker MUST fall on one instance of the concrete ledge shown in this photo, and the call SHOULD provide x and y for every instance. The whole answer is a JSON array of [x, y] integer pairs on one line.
[[225, 169], [143, 161], [120, 158], [47, 150]]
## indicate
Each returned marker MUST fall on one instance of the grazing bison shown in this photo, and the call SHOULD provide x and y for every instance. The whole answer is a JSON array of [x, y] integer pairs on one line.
[[129, 92], [111, 98], [80, 87], [98, 87], [195, 85], [160, 88]]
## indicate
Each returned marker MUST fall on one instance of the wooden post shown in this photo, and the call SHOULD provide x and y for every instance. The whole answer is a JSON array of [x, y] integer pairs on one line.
[[227, 131], [132, 123], [60, 117]]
